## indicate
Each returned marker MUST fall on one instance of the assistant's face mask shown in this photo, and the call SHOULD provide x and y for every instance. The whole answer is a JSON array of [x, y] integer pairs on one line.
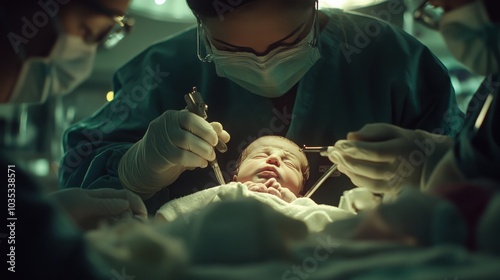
[[273, 74], [472, 38], [67, 66]]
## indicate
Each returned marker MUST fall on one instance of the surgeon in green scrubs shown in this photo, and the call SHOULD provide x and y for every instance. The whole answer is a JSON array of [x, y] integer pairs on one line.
[[278, 67]]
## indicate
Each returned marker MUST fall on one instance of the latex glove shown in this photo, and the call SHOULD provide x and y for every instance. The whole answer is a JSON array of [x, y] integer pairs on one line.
[[271, 186], [88, 208], [174, 142], [384, 157], [359, 199], [446, 172]]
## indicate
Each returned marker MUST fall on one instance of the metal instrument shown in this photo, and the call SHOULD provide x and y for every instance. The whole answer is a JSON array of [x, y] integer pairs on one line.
[[321, 180], [483, 112], [196, 105], [322, 150]]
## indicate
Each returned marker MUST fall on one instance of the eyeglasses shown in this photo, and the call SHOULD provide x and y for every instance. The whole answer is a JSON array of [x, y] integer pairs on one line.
[[209, 57], [109, 38], [428, 15], [123, 26]]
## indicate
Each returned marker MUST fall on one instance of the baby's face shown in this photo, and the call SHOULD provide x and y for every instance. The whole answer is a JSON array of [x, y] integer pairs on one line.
[[273, 158]]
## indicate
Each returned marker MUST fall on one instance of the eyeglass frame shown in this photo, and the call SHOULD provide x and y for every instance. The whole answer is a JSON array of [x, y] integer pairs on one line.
[[209, 57], [123, 25]]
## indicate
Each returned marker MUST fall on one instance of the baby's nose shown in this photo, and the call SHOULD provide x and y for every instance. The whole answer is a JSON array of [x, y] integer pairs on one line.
[[274, 160]]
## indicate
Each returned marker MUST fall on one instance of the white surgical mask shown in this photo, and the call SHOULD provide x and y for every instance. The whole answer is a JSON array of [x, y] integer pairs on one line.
[[472, 38], [67, 66], [271, 75]]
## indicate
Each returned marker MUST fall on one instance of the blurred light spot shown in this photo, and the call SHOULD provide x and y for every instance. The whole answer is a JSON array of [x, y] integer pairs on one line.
[[110, 95], [178, 10], [347, 4], [40, 167]]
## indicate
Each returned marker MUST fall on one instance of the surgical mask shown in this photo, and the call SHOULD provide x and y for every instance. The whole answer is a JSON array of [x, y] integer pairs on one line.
[[273, 74], [67, 66], [471, 38]]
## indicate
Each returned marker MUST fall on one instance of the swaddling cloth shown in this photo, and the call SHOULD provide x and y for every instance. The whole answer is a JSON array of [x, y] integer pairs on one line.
[[315, 216]]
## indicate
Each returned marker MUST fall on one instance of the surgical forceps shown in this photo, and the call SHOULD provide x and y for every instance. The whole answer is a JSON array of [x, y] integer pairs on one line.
[[196, 105], [322, 151]]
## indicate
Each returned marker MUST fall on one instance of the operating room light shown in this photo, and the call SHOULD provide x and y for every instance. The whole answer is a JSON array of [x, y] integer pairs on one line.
[[347, 4], [164, 10], [178, 10], [110, 96]]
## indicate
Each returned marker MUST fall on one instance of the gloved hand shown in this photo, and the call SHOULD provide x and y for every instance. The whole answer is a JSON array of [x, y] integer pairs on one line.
[[384, 157], [271, 186], [174, 142], [89, 207]]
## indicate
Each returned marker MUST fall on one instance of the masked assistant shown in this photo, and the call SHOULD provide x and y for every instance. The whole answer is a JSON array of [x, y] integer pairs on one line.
[[67, 66]]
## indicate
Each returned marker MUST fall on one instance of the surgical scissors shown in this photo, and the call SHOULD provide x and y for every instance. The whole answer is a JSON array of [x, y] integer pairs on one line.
[[196, 105]]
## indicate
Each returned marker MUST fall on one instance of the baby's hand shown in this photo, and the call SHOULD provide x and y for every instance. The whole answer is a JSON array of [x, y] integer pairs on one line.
[[255, 187], [287, 195], [271, 186]]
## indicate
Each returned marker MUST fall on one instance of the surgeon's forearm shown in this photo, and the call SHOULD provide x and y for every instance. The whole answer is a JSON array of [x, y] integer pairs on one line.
[[143, 175]]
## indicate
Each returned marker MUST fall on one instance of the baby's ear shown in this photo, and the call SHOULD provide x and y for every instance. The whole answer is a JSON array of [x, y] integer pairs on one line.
[[235, 178]]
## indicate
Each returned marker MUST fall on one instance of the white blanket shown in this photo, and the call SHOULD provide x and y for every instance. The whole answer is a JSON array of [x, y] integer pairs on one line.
[[315, 216], [246, 239]]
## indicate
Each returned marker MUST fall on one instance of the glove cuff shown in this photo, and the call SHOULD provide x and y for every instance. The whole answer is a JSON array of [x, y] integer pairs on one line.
[[137, 173], [435, 147]]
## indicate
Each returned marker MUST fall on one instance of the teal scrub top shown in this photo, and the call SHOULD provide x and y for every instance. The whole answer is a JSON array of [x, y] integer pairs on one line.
[[369, 71]]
